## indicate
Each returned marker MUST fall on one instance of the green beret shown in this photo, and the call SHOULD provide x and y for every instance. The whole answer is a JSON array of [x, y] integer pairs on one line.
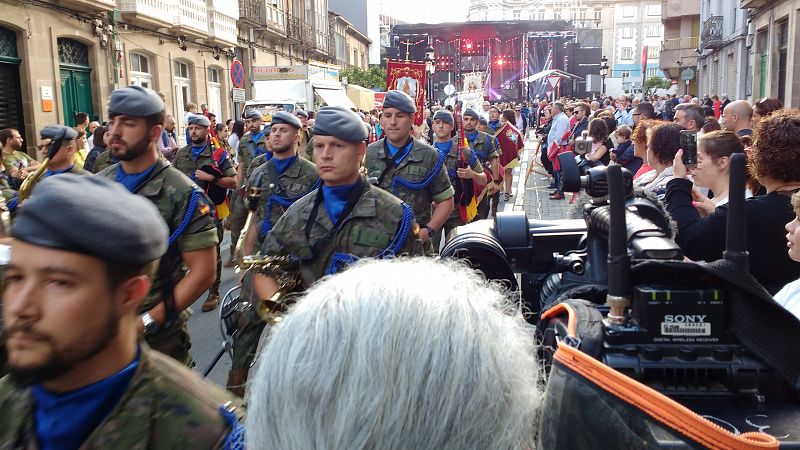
[[399, 100], [444, 115], [134, 101], [340, 122], [119, 226], [199, 120], [285, 117]]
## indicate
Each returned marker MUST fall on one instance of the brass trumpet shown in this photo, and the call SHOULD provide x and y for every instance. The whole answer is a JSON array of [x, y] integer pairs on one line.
[[286, 274]]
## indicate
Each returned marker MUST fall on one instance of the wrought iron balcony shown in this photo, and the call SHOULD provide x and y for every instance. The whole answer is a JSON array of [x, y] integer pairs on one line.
[[712, 33], [252, 11]]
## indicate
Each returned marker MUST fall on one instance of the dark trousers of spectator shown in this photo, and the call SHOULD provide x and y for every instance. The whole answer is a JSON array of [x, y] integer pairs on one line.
[[548, 165], [557, 181]]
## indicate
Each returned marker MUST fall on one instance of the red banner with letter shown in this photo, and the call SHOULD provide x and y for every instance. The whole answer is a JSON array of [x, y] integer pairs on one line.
[[408, 77]]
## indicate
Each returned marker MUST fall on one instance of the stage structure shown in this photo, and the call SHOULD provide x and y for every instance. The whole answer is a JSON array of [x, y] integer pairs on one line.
[[505, 52]]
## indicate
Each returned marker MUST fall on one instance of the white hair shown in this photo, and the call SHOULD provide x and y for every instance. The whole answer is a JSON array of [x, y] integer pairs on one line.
[[397, 354]]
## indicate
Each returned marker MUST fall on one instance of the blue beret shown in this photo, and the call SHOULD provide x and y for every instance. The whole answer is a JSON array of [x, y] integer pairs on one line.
[[469, 112], [199, 119], [288, 119], [444, 115], [119, 227], [302, 113], [340, 122], [399, 100], [253, 114], [51, 131], [134, 101]]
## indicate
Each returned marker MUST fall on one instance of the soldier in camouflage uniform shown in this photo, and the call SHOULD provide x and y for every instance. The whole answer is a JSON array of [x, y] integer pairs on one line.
[[454, 162], [484, 147], [305, 135], [253, 144], [103, 160], [136, 116], [346, 218], [212, 169], [63, 161], [78, 378], [282, 180], [410, 169]]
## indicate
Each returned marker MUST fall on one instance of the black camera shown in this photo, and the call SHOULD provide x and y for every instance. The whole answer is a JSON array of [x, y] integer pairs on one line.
[[681, 328]]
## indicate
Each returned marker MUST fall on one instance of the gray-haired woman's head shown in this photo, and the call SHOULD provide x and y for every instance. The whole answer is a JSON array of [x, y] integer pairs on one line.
[[407, 353]]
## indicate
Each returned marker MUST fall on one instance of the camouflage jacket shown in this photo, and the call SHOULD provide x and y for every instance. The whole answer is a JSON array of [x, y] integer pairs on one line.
[[166, 406], [245, 152], [306, 148], [185, 162], [484, 147], [418, 165], [255, 163], [451, 164], [103, 160], [171, 191], [297, 180], [368, 230]]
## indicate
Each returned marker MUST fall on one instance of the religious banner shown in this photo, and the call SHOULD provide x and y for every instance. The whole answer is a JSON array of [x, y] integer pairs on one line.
[[473, 100], [408, 77], [473, 82]]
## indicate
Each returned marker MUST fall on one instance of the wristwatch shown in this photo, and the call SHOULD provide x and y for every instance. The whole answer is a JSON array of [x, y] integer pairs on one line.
[[150, 324], [431, 231]]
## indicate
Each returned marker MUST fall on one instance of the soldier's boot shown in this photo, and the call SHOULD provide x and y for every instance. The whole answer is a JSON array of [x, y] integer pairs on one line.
[[237, 379], [212, 301]]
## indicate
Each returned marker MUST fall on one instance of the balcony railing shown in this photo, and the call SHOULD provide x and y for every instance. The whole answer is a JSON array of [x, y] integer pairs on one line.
[[157, 11], [331, 50], [680, 43], [221, 27], [251, 11], [299, 30], [275, 18], [192, 15], [712, 32]]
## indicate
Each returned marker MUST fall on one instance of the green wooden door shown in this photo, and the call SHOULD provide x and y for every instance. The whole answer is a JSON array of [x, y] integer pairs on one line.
[[762, 85], [76, 94]]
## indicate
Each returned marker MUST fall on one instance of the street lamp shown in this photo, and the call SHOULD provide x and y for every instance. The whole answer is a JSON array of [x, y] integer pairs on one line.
[[604, 72], [430, 67]]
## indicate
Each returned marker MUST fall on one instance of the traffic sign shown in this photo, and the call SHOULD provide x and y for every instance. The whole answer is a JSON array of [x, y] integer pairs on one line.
[[687, 74], [237, 95], [553, 81], [237, 74], [449, 89]]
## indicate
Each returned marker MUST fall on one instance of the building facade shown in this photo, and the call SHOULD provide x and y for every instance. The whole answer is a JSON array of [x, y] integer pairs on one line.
[[638, 36], [71, 54], [352, 47], [681, 21], [364, 16], [774, 51], [723, 64]]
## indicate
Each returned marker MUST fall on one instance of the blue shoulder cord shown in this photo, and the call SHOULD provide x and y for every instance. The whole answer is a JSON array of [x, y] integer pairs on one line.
[[340, 261], [266, 226], [187, 217], [236, 438], [421, 184]]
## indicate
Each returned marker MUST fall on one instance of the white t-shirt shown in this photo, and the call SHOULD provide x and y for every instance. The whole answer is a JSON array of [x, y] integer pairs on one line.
[[789, 297]]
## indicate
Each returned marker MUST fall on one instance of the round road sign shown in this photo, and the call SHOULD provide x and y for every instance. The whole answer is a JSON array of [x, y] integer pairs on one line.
[[237, 74], [687, 74]]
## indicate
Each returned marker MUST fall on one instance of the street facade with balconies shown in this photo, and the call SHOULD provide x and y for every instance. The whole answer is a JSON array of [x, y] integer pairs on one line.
[[681, 21], [774, 55], [722, 62]]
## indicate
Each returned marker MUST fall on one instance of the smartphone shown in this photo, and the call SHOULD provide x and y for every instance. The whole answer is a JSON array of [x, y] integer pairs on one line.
[[689, 146]]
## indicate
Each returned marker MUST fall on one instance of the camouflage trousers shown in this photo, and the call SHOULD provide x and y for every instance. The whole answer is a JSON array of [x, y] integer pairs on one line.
[[238, 215], [245, 341], [174, 340], [218, 280]]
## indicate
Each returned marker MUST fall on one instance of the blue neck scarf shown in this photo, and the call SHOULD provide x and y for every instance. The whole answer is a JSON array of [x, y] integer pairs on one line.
[[335, 199], [443, 147], [48, 172], [471, 136], [282, 164], [257, 137], [197, 150], [395, 150], [132, 180], [493, 124], [65, 421]]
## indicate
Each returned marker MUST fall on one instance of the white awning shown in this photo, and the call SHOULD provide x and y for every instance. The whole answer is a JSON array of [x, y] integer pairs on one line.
[[548, 73], [334, 97]]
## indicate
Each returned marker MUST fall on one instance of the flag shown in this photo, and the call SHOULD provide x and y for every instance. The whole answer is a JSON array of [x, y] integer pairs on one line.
[[467, 204]]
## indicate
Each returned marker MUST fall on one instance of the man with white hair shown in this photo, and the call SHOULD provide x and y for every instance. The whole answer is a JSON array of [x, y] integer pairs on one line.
[[432, 357]]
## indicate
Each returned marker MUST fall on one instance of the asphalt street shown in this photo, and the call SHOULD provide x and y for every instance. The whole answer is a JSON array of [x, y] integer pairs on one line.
[[204, 327]]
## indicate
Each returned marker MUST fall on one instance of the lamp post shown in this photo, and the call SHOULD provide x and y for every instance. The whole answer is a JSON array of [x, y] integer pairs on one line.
[[430, 67], [604, 72]]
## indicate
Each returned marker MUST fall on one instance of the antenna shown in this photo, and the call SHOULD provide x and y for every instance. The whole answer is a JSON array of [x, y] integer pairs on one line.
[[736, 232], [619, 262]]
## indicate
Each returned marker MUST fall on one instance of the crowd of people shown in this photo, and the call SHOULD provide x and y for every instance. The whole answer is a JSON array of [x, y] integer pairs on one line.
[[400, 350]]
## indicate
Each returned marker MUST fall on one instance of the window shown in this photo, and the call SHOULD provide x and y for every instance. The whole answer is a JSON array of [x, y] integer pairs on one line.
[[181, 70], [652, 72], [783, 43], [626, 74], [627, 53], [355, 57], [516, 14], [653, 31], [627, 32], [583, 14], [213, 75], [653, 52], [598, 15], [540, 14], [654, 10], [214, 92], [628, 11], [140, 71]]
